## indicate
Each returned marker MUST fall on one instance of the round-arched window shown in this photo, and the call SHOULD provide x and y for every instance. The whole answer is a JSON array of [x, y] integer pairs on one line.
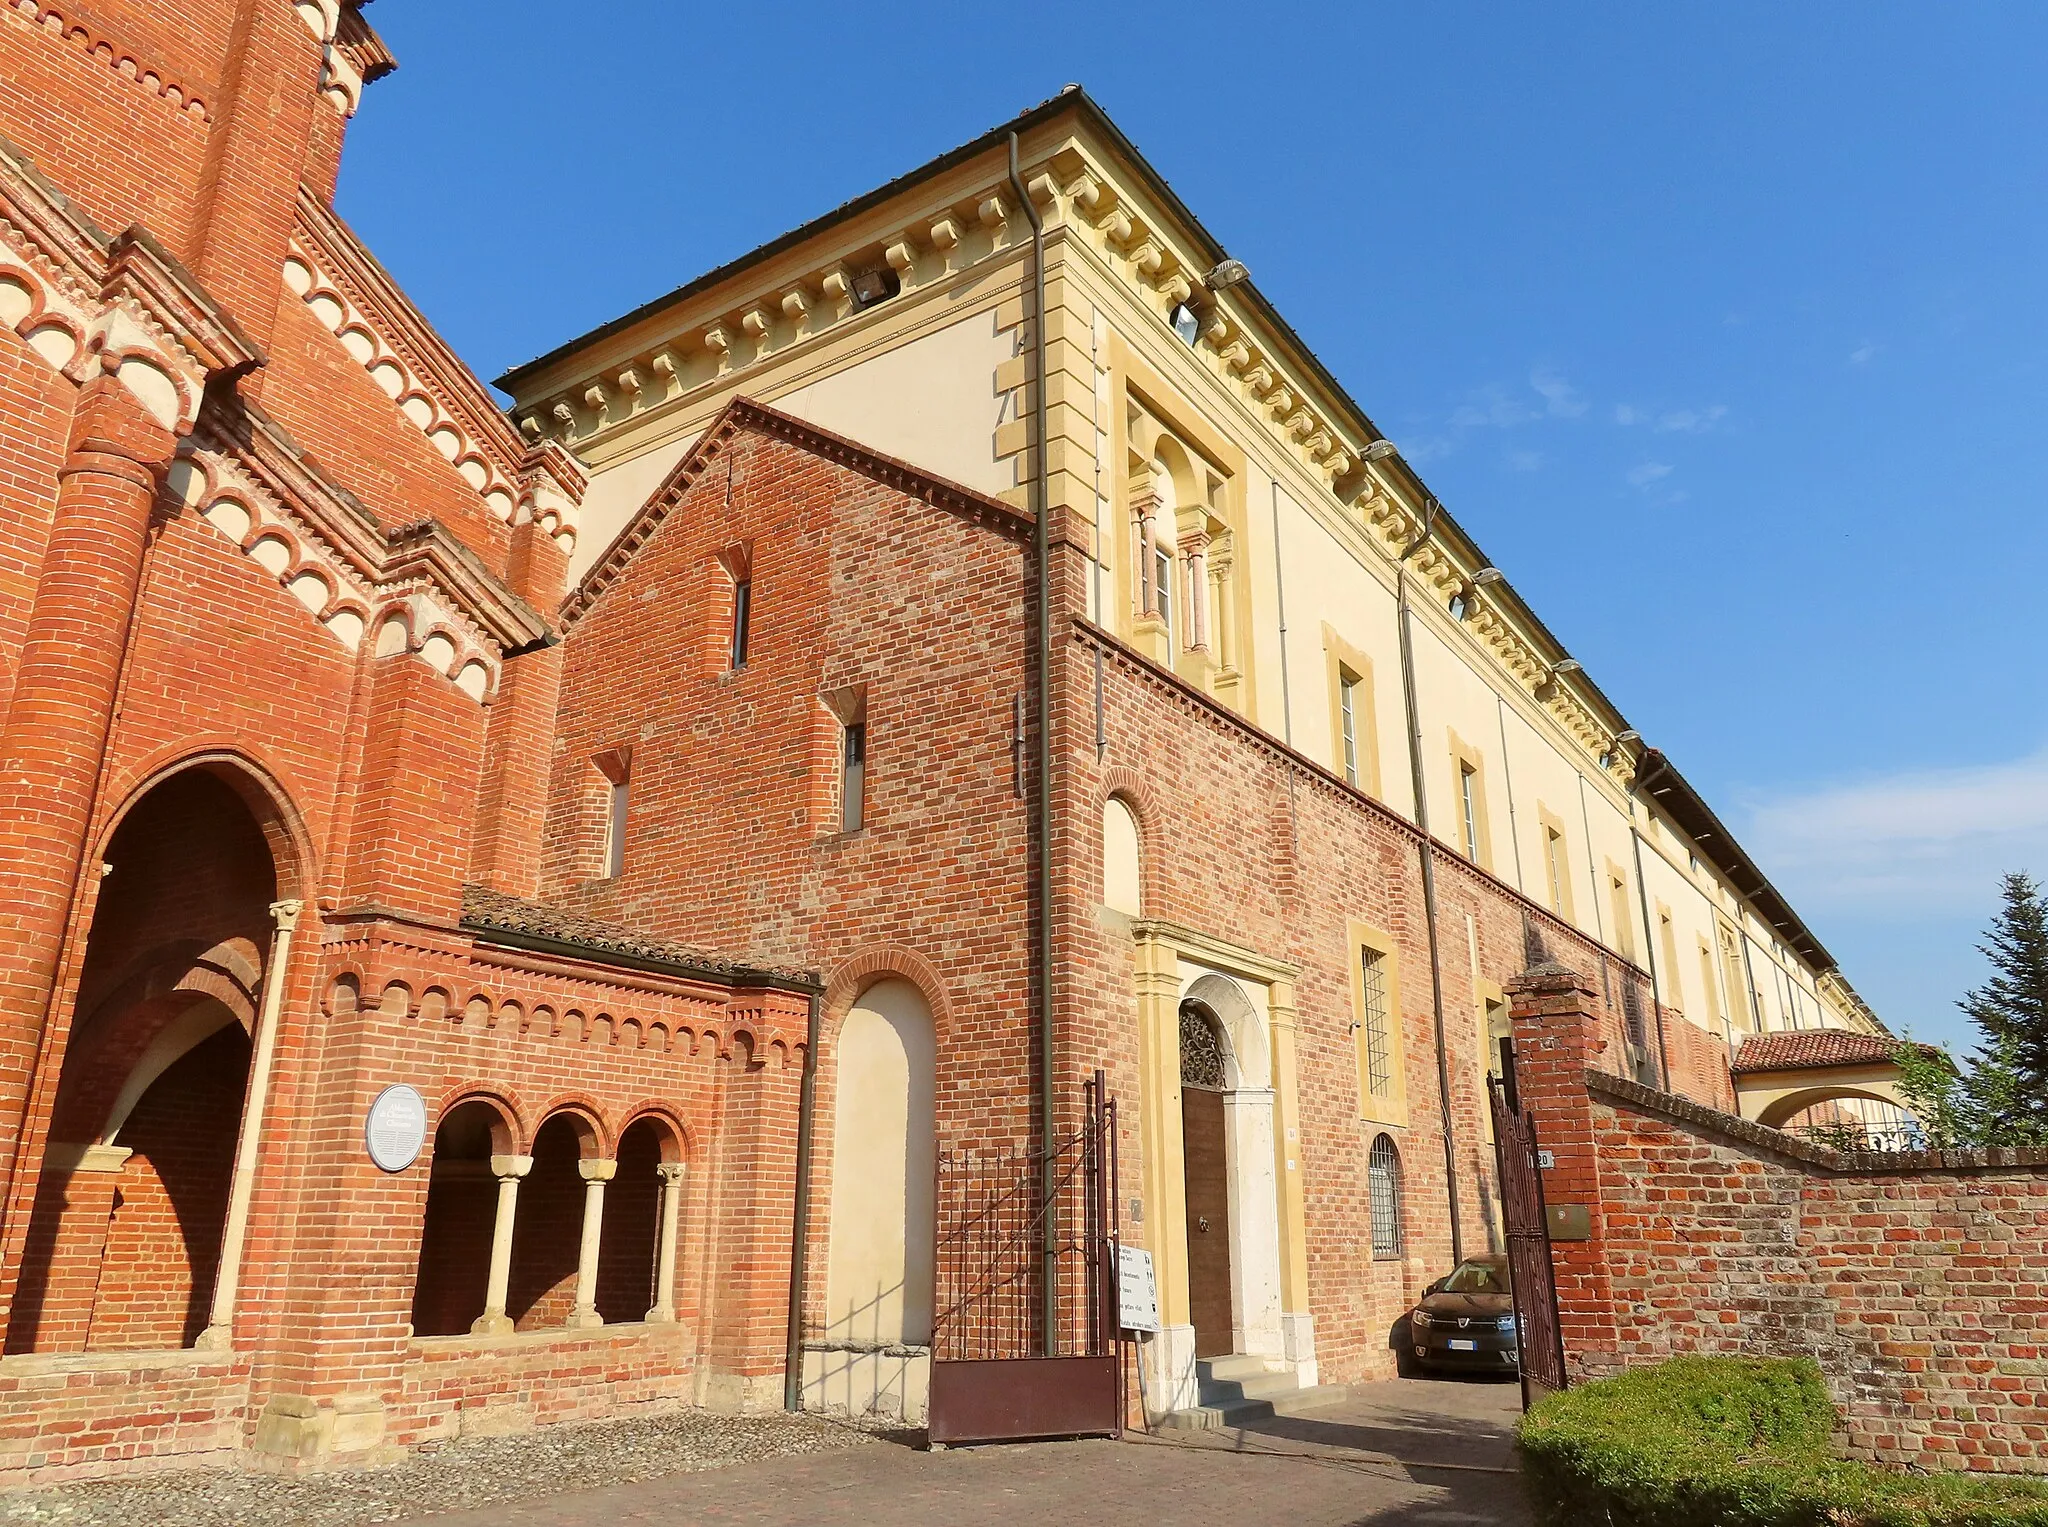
[[1383, 1192]]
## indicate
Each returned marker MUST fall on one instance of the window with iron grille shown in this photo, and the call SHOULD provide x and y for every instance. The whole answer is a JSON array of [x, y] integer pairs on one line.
[[1383, 1186], [1201, 1050], [1379, 1067]]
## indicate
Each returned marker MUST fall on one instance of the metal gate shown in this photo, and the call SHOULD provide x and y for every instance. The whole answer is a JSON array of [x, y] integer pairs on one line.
[[998, 1374], [1537, 1331]]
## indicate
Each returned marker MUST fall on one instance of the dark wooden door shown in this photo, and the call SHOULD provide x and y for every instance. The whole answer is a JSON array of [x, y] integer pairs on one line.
[[1208, 1201]]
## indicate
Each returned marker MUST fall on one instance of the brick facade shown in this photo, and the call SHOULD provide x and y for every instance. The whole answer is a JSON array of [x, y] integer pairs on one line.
[[1904, 1275]]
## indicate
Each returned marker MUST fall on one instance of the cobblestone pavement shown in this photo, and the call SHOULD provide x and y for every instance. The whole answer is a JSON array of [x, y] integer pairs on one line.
[[1415, 1453], [484, 1472]]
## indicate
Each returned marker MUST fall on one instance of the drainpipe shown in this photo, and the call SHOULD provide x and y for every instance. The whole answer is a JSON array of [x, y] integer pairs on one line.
[[800, 1230], [1041, 806], [1436, 964], [1649, 939]]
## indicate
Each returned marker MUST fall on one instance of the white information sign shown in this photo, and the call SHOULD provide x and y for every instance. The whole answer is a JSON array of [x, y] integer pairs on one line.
[[1137, 1295], [396, 1129]]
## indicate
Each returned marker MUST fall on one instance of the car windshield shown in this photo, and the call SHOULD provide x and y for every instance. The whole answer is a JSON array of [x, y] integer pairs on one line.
[[1478, 1278]]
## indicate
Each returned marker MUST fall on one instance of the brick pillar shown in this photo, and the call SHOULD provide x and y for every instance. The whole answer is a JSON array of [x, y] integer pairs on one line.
[[1556, 1025], [54, 741], [512, 796], [411, 835], [256, 154]]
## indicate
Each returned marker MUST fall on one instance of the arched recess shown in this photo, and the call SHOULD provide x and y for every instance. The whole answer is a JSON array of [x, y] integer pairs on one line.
[[1786, 1110], [1123, 858], [547, 1236], [449, 1289], [879, 1284], [125, 1233], [629, 1252]]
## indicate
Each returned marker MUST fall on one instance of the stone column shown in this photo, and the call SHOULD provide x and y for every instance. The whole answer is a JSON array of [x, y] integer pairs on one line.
[[1297, 1323], [1194, 546], [54, 740], [665, 1266], [1143, 506], [227, 1280], [508, 1170], [595, 1175]]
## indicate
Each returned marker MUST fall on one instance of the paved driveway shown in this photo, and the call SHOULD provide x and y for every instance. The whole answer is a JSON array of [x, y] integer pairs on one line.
[[1412, 1453]]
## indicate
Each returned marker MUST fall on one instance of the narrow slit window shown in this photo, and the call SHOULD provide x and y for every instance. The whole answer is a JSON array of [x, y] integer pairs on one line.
[[617, 795], [1379, 1068], [1162, 576], [1469, 807], [1347, 709], [742, 616], [853, 768]]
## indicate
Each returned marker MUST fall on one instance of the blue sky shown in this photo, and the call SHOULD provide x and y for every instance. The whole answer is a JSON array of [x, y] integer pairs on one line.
[[1724, 329]]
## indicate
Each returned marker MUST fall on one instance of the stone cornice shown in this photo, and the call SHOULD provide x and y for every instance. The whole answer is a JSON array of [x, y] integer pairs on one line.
[[745, 413]]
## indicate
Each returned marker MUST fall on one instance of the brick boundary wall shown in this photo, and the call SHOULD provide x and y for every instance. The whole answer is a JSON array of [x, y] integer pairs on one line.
[[1913, 1279]]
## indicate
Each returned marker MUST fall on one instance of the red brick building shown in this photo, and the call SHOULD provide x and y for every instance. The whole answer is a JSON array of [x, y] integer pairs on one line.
[[430, 983]]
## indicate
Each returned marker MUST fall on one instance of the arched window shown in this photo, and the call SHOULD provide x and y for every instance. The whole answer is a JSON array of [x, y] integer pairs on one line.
[[1383, 1189], [1122, 873]]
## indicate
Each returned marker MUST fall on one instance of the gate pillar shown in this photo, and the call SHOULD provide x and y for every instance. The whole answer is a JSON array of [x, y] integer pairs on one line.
[[1556, 1039]]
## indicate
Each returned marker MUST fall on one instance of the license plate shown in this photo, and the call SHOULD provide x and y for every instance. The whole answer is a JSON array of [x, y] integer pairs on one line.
[[1463, 1346]]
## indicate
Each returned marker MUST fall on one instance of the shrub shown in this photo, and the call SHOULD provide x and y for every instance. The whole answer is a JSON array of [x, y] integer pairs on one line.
[[1734, 1442]]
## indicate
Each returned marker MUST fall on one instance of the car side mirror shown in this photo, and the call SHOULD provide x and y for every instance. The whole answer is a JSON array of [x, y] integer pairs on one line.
[[1435, 1288]]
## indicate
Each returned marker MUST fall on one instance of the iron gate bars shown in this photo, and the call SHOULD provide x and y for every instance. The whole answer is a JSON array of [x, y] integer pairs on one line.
[[1537, 1331], [998, 1371]]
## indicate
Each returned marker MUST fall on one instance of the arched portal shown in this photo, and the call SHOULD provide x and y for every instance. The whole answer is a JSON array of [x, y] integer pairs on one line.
[[1205, 1161], [449, 1290], [125, 1235], [878, 1285], [639, 1200], [547, 1238]]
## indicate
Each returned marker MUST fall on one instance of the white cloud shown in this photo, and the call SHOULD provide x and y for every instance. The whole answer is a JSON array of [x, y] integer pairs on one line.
[[1525, 461], [1560, 398], [1492, 407], [1863, 352], [1626, 414], [1690, 421], [1911, 844], [1417, 449], [1649, 472]]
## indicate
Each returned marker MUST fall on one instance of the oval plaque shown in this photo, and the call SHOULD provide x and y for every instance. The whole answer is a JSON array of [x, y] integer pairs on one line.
[[396, 1130]]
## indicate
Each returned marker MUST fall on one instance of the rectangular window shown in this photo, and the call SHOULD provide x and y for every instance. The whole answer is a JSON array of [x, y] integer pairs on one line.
[[1347, 709], [853, 768], [615, 832], [742, 614], [1624, 924], [1379, 1068], [1553, 863], [1162, 575], [1469, 806]]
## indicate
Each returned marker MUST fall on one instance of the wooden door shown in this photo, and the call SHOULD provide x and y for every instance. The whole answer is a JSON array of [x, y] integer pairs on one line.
[[1208, 1205]]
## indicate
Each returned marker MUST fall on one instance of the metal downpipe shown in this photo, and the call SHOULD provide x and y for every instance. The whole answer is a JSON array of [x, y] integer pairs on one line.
[[1436, 965], [1041, 806], [800, 1227]]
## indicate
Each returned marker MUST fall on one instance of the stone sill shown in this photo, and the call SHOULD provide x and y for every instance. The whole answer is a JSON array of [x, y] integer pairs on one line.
[[469, 1343], [37, 1364]]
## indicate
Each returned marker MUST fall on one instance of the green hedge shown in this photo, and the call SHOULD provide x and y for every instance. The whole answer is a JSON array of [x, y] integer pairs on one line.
[[1734, 1442]]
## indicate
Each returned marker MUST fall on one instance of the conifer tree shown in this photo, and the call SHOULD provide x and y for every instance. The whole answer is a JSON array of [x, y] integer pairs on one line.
[[2002, 1099]]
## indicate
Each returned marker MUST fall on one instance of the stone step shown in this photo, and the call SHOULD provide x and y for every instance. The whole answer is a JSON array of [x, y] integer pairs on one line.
[[1237, 1365], [1253, 1386], [1241, 1412]]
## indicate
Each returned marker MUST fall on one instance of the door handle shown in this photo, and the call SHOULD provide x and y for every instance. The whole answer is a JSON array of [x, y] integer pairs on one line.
[[1202, 1223]]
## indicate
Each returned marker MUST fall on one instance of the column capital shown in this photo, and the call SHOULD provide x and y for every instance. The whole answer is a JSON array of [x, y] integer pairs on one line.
[[287, 913], [512, 1167], [108, 425], [671, 1171], [593, 1171]]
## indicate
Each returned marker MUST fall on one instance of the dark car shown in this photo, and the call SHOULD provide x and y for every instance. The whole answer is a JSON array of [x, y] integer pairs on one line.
[[1467, 1320]]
